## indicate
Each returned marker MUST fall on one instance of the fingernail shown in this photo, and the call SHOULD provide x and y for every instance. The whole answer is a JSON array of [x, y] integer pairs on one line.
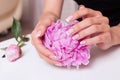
[[38, 34], [69, 31], [69, 18], [82, 6], [75, 37], [53, 57], [58, 64], [83, 42]]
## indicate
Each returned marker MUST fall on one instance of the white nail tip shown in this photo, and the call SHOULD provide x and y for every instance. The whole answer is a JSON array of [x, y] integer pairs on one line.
[[59, 64], [38, 34], [69, 18]]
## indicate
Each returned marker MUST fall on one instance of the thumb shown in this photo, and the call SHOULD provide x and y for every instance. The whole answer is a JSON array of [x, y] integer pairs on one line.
[[41, 28], [40, 31]]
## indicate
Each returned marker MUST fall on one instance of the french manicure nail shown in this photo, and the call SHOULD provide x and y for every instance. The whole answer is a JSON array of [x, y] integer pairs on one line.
[[53, 57], [58, 64], [69, 18], [38, 34], [69, 31], [75, 37], [83, 42], [82, 6]]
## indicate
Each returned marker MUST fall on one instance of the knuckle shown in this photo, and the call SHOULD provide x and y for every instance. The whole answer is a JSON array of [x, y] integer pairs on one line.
[[104, 36], [89, 21], [98, 13], [82, 33], [76, 14], [86, 11], [107, 28], [106, 20], [100, 38], [77, 27], [95, 28], [107, 34], [102, 46]]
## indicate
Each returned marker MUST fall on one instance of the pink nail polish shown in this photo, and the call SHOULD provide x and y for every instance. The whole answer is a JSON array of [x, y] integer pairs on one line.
[[38, 34], [69, 18]]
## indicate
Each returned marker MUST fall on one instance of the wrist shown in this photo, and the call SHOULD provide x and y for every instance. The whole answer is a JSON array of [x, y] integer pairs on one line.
[[115, 36], [50, 15]]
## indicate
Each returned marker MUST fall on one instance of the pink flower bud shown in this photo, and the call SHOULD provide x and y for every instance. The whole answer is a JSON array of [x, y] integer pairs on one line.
[[13, 52], [69, 52]]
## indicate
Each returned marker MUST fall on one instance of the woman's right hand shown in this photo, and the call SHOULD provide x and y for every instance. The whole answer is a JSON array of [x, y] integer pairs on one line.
[[38, 32]]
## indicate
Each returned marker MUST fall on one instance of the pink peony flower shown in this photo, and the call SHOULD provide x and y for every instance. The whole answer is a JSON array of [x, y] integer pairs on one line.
[[69, 52], [13, 52]]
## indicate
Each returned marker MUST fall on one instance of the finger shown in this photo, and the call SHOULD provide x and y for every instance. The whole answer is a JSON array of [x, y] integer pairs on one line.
[[94, 29], [45, 53], [42, 26], [85, 23], [101, 38], [39, 46], [35, 38], [39, 31], [42, 49], [104, 46], [55, 63], [83, 12]]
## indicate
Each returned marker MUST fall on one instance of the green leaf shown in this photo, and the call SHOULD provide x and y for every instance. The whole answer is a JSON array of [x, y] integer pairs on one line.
[[16, 29]]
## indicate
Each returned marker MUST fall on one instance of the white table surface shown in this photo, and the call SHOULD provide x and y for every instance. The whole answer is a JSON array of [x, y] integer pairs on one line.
[[104, 65]]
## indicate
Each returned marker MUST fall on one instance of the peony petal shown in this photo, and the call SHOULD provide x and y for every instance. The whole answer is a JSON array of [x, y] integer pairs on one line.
[[68, 51]]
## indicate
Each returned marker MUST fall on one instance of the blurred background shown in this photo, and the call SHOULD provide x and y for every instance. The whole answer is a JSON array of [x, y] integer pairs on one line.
[[28, 12]]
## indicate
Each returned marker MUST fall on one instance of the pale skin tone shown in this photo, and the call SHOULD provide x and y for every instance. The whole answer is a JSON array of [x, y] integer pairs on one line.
[[93, 24]]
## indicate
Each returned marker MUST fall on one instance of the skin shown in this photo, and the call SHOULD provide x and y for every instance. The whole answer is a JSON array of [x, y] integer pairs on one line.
[[96, 26], [93, 24], [50, 14]]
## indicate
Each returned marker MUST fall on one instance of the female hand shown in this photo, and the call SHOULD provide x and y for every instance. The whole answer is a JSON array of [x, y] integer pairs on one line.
[[37, 34], [94, 25]]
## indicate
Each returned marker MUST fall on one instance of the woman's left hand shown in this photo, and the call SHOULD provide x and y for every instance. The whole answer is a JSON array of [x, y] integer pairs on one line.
[[94, 25]]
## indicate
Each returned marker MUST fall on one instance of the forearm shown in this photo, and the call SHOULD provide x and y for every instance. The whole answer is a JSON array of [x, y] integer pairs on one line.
[[115, 32], [53, 7]]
